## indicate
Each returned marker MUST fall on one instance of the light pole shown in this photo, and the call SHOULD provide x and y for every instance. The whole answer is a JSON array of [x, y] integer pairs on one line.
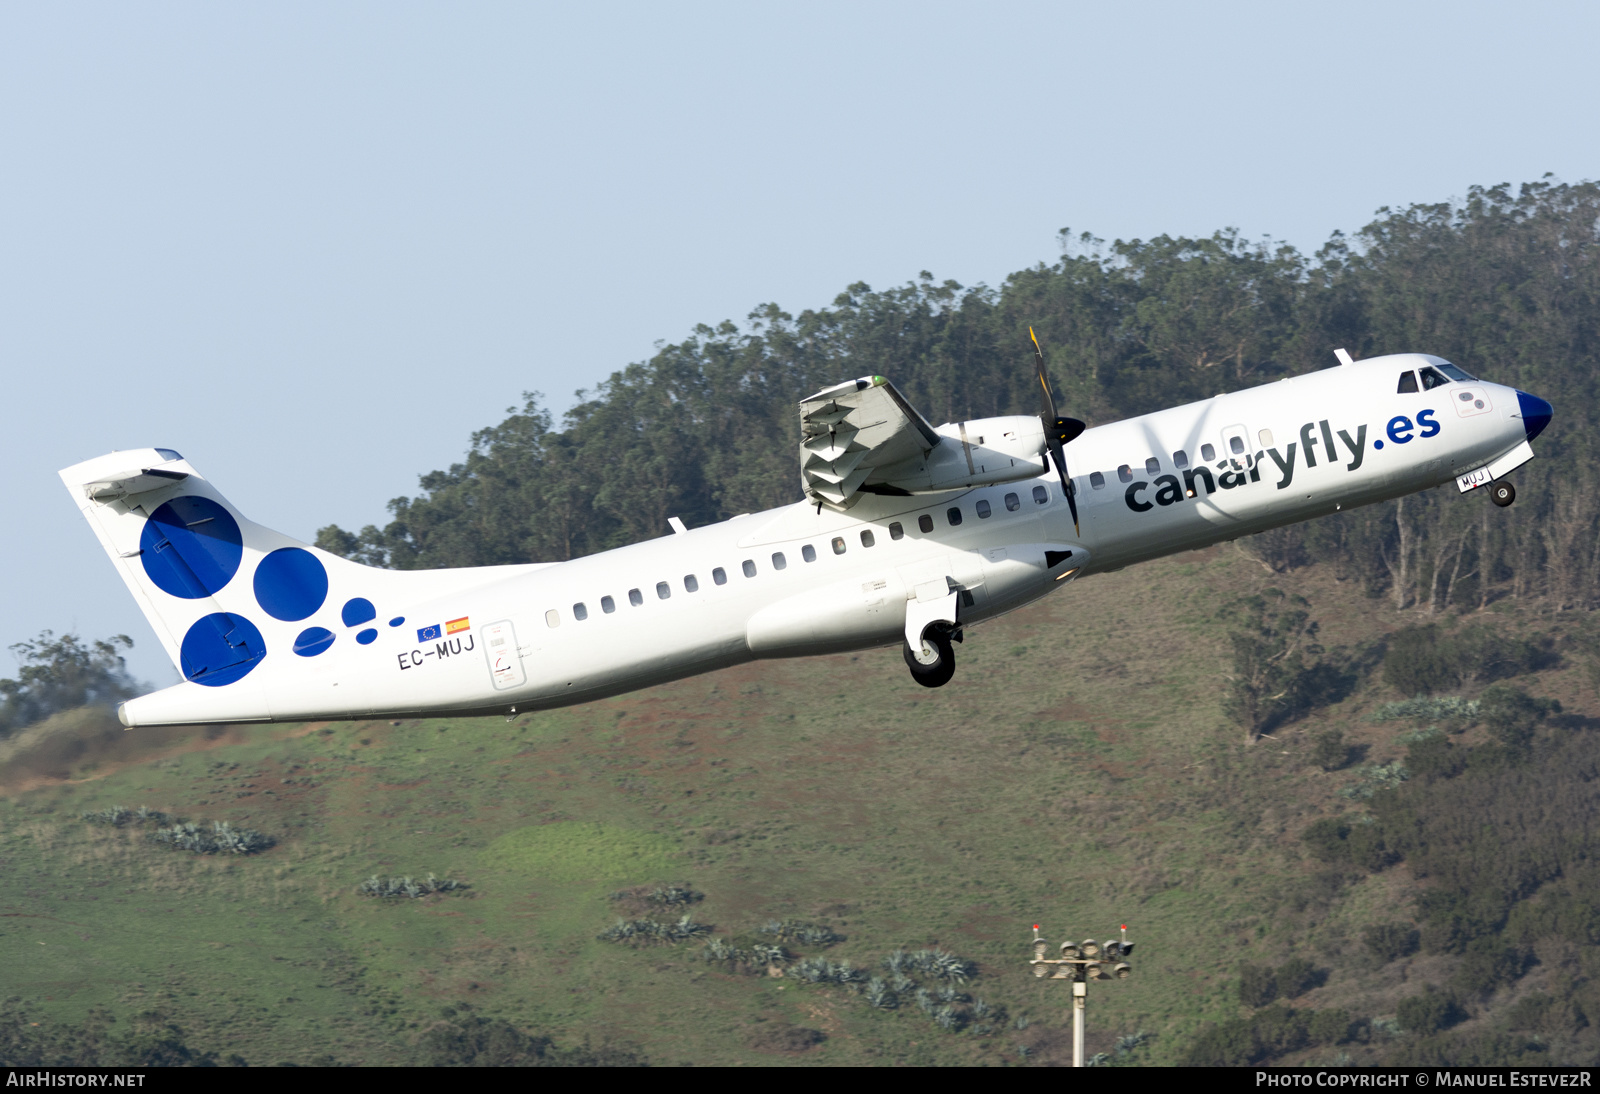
[[1079, 963]]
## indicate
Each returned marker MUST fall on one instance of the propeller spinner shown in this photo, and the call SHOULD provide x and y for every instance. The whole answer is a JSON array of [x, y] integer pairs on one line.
[[1058, 431]]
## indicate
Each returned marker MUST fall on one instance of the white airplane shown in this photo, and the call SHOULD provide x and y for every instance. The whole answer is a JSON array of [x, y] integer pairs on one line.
[[908, 534]]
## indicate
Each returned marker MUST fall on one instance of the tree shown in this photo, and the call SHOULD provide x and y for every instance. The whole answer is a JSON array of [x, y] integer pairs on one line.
[[62, 673], [1278, 672]]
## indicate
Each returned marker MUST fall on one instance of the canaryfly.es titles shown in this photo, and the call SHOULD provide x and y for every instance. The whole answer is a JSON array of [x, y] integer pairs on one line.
[[1319, 443]]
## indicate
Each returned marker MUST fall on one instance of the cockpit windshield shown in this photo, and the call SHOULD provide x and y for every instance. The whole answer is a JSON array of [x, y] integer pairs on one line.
[[1431, 378], [1454, 373], [1408, 383]]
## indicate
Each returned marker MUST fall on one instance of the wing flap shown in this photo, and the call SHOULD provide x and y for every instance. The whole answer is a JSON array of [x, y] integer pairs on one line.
[[850, 430]]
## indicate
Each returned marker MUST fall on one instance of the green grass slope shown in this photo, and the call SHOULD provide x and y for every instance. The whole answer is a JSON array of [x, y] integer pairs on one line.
[[1078, 773]]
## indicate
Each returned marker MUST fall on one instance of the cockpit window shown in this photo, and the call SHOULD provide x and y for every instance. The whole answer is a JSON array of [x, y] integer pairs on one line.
[[1408, 383], [1431, 379], [1454, 373]]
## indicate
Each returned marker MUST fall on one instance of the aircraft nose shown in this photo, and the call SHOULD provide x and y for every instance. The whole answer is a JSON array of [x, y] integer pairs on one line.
[[1535, 413]]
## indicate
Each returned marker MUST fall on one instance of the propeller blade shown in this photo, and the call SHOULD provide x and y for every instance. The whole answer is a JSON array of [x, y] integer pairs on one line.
[[1058, 431], [1047, 398], [1060, 458]]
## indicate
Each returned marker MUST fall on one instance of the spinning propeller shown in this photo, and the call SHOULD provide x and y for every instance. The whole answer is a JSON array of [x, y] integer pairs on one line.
[[1058, 431]]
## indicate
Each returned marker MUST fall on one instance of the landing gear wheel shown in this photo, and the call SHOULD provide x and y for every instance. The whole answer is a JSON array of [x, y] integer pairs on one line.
[[1502, 494], [934, 664]]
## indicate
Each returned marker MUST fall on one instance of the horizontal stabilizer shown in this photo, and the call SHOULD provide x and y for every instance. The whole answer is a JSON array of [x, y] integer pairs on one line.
[[136, 480]]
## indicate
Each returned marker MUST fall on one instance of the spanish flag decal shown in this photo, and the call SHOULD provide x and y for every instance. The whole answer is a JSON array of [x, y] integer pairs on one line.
[[456, 626]]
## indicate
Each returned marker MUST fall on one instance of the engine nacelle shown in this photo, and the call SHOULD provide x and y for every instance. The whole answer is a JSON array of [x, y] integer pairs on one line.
[[980, 452]]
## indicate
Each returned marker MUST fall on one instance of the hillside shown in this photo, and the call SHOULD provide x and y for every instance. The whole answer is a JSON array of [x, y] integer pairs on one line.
[[1079, 772]]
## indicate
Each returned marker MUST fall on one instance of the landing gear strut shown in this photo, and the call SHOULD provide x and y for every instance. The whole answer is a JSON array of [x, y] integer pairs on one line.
[[1502, 494], [934, 663]]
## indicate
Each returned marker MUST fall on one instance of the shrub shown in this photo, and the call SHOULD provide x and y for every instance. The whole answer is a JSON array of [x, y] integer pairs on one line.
[[1434, 708], [1359, 844], [118, 817], [1258, 985], [221, 838], [1224, 1044], [408, 887], [880, 995], [1329, 750], [805, 934], [646, 931], [1486, 965], [1428, 1013], [1388, 941], [1511, 715], [1329, 1027], [1417, 664], [1297, 976], [1431, 756]]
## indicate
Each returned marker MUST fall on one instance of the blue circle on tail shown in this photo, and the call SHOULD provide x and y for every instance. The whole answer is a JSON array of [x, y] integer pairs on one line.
[[312, 641], [357, 610], [191, 547], [221, 648], [291, 583]]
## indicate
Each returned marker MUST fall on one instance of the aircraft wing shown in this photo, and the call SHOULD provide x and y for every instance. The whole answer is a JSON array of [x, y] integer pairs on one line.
[[850, 431]]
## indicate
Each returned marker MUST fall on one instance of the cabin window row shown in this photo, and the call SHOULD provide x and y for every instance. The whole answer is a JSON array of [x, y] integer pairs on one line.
[[1236, 445], [691, 583]]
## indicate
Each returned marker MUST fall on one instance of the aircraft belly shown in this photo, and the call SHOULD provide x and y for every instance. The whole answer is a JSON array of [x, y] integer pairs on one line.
[[867, 609]]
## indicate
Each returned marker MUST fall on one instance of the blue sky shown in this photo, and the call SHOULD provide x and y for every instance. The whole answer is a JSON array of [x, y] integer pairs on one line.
[[314, 246]]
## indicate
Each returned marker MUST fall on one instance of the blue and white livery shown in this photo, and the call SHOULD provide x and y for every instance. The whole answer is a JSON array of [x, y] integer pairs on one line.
[[908, 534]]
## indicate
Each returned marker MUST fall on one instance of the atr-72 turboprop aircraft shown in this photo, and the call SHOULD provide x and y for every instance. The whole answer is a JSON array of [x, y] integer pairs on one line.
[[908, 533]]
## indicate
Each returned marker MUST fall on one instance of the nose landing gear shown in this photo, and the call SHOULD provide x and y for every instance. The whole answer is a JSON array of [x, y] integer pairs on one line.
[[1502, 494], [933, 663]]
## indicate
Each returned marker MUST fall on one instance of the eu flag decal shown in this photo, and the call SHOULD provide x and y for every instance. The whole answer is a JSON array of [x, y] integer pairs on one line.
[[428, 634]]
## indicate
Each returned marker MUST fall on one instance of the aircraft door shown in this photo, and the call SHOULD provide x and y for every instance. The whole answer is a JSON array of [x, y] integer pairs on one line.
[[1236, 446], [500, 647]]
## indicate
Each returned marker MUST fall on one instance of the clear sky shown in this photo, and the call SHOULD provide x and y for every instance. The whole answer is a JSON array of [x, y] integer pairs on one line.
[[314, 246]]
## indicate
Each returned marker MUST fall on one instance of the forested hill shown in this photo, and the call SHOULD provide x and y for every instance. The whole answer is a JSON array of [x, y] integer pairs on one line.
[[1505, 283]]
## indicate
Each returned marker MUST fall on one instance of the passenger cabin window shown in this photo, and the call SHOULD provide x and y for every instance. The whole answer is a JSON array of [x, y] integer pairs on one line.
[[1041, 495], [953, 515], [1180, 459], [1431, 378], [1265, 437], [867, 538], [1013, 503], [1124, 473], [1207, 453], [1236, 445], [552, 618], [1408, 383], [580, 612], [809, 553], [778, 561], [1152, 466], [663, 590], [925, 522], [983, 509], [838, 545], [607, 605], [749, 568], [720, 576], [691, 584], [635, 597], [1097, 481], [897, 530]]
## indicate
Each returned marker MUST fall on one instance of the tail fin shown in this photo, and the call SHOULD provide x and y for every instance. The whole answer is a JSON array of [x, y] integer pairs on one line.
[[224, 593]]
